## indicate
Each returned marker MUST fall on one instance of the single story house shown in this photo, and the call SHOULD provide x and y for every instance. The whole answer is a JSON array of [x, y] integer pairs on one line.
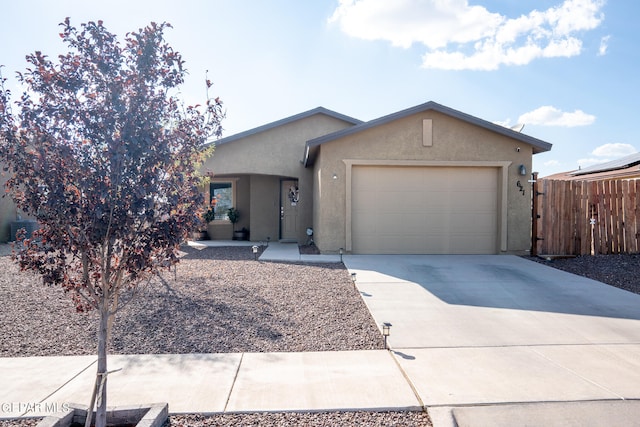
[[425, 180]]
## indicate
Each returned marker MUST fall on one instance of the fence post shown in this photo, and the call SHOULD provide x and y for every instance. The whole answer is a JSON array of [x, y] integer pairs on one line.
[[534, 215]]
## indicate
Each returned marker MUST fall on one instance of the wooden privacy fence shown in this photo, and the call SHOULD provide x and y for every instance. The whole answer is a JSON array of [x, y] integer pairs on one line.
[[586, 217]]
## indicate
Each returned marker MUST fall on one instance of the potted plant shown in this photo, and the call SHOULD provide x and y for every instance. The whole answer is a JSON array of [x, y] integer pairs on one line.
[[234, 217], [201, 233], [242, 234], [210, 214]]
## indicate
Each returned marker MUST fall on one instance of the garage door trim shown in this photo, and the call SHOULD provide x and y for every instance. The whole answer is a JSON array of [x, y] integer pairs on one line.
[[503, 167]]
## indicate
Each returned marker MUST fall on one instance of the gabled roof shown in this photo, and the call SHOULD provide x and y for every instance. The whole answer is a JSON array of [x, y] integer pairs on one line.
[[538, 145], [623, 163], [287, 120]]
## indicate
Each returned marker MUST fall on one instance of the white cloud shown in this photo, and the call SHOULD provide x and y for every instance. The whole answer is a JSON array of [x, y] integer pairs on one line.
[[604, 45], [551, 116], [460, 36], [504, 123], [614, 150], [606, 153], [552, 163], [434, 23]]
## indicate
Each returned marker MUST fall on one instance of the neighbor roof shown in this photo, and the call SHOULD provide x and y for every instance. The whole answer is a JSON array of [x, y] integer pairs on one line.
[[538, 145], [623, 163], [625, 168], [281, 122]]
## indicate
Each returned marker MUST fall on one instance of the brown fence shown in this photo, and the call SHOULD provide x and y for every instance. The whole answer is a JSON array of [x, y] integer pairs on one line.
[[586, 217]]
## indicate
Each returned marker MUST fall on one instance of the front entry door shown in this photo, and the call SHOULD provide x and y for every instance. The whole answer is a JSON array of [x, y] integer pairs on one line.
[[289, 210]]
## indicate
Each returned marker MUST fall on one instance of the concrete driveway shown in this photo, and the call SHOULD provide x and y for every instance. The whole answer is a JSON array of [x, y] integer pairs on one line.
[[498, 330]]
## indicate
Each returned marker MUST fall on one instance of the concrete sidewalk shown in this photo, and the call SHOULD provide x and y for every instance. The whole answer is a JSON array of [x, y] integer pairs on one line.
[[211, 383], [273, 251]]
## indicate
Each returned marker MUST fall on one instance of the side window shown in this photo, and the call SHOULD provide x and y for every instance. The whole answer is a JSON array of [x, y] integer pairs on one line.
[[222, 197]]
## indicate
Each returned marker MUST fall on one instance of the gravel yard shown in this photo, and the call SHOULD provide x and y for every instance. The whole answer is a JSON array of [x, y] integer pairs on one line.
[[222, 301], [331, 419], [621, 271]]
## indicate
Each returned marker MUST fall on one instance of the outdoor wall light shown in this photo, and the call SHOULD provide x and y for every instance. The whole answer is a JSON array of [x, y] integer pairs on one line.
[[386, 331], [335, 176], [254, 249], [341, 252], [522, 169]]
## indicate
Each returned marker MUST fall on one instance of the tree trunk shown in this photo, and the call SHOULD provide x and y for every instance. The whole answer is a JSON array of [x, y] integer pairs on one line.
[[101, 379]]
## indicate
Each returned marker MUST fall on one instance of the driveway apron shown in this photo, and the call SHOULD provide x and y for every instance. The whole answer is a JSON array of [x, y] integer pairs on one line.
[[478, 330]]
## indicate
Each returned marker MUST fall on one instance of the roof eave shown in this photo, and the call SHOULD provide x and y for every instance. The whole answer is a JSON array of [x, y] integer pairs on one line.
[[538, 145], [287, 120]]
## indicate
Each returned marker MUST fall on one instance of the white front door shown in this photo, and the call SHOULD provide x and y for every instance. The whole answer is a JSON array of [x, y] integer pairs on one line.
[[289, 210]]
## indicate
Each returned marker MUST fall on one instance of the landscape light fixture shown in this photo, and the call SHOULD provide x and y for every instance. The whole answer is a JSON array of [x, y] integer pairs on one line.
[[386, 331], [353, 278], [254, 249]]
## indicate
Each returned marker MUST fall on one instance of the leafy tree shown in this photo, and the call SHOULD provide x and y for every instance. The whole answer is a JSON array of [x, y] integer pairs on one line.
[[105, 157]]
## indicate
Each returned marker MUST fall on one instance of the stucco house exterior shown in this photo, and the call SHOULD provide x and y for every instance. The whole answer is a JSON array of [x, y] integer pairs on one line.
[[425, 180]]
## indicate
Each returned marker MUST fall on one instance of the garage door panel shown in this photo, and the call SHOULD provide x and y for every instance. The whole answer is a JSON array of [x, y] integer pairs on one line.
[[435, 222], [368, 241], [364, 226], [475, 245], [473, 226], [392, 223], [413, 245], [415, 204], [485, 179], [411, 221], [459, 207], [366, 201], [395, 198], [424, 210]]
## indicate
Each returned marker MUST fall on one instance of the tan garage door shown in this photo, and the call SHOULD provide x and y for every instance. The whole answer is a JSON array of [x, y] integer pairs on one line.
[[424, 210]]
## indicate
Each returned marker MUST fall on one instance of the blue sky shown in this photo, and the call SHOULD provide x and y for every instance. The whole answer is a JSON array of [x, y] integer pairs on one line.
[[567, 70]]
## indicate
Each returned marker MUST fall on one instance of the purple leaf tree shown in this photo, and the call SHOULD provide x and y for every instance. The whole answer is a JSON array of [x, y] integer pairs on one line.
[[106, 159]]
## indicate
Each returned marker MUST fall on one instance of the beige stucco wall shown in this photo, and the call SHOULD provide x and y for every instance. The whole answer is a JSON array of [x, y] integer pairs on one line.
[[402, 140], [265, 211], [268, 157]]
